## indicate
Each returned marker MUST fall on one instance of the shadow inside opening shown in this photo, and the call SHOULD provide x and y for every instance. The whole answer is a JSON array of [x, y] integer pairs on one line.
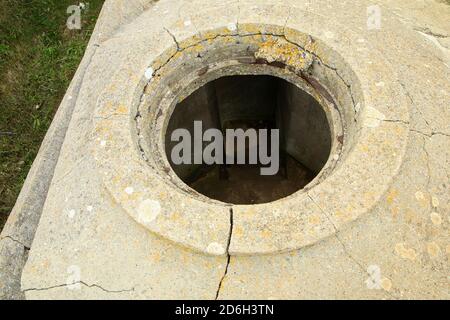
[[253, 102]]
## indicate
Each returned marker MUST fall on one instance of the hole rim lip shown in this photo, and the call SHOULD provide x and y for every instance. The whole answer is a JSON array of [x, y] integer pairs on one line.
[[252, 241]]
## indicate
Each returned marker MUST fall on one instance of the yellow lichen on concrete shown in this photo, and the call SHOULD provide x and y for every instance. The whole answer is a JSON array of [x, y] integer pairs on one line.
[[279, 50], [391, 196], [433, 249], [404, 252], [436, 218], [386, 284]]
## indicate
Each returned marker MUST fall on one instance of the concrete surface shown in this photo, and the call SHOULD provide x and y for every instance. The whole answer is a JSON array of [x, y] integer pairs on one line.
[[117, 223]]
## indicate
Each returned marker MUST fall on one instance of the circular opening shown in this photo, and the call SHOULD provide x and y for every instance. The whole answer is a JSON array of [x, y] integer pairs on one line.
[[248, 139]]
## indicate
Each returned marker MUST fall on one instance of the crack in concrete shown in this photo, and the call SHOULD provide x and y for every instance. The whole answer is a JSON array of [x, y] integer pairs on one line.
[[228, 256], [344, 247], [336, 235], [78, 282], [282, 35], [406, 123], [125, 21], [430, 33], [174, 39], [349, 87], [334, 69], [432, 134], [138, 117], [179, 50], [69, 171], [407, 93], [395, 121], [110, 116], [287, 19], [428, 166], [137, 120]]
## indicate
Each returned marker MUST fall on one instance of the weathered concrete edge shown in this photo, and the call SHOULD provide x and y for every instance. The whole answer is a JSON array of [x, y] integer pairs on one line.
[[24, 217], [18, 233]]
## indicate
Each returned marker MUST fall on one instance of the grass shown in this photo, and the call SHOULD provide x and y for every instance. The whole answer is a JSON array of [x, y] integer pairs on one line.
[[38, 58]]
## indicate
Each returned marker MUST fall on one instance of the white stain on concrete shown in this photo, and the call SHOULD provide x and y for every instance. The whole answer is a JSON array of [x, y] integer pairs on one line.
[[149, 73], [232, 26], [187, 23], [71, 213], [89, 208], [129, 190], [149, 210]]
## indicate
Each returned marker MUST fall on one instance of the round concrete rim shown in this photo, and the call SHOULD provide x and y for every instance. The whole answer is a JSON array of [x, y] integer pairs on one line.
[[327, 207]]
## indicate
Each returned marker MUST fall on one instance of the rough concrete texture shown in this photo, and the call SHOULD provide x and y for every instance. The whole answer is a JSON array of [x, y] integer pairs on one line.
[[115, 224], [24, 218]]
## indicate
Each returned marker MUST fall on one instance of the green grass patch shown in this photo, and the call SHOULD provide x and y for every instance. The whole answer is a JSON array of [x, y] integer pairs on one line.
[[38, 58]]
